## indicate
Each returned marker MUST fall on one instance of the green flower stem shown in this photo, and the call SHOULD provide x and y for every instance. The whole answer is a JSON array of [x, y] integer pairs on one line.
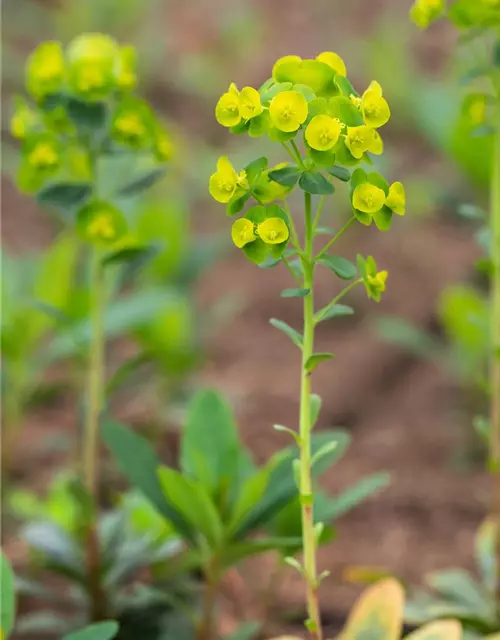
[[495, 341], [345, 291], [335, 238], [292, 154], [306, 486], [95, 386], [299, 157]]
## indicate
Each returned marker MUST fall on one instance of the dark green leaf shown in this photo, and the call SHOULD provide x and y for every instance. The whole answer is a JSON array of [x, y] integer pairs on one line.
[[294, 293], [7, 596], [138, 462], [270, 263], [90, 116], [142, 182], [125, 370], [337, 311], [56, 548], [255, 168], [234, 553], [294, 335], [236, 204], [316, 359], [64, 196], [249, 496], [343, 268], [402, 333], [315, 183], [191, 499], [383, 219], [210, 440], [340, 172], [287, 176], [256, 251], [98, 631]]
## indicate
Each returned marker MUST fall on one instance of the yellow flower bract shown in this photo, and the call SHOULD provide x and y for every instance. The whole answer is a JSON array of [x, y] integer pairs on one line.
[[224, 182], [323, 132], [101, 228], [368, 198], [43, 156], [242, 232], [361, 139], [288, 110], [334, 61], [396, 199], [374, 106], [273, 231]]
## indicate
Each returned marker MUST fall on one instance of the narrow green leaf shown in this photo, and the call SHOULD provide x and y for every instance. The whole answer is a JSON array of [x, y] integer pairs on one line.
[[315, 408], [354, 495], [315, 183], [287, 176], [316, 359], [295, 293], [210, 440], [99, 631], [7, 596], [342, 267], [236, 552], [64, 196], [293, 562], [250, 495], [142, 182], [324, 450], [294, 434], [337, 311], [190, 498], [340, 172], [139, 463], [294, 335], [236, 204], [324, 231]]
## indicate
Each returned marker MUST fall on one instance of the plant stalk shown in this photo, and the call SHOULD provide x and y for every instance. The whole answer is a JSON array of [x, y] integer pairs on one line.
[[95, 387], [205, 629], [495, 344], [306, 487]]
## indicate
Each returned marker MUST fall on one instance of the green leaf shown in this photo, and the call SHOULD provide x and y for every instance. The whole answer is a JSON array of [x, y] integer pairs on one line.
[[295, 435], [255, 168], [325, 449], [237, 552], [315, 183], [295, 293], [315, 408], [286, 176], [138, 463], [337, 311], [56, 548], [383, 219], [354, 495], [340, 172], [316, 359], [89, 116], [210, 440], [142, 182], [237, 203], [64, 196], [294, 335], [7, 596], [98, 631], [324, 231], [460, 587], [189, 497], [256, 251], [250, 495], [343, 268]]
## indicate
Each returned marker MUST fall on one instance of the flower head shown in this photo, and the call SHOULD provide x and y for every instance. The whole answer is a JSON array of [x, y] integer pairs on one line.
[[243, 232], [288, 110], [323, 132], [227, 110], [101, 223], [45, 70], [361, 139], [368, 198], [273, 231], [423, 12], [334, 61], [225, 181], [24, 119], [133, 123], [374, 107], [374, 280], [92, 60], [44, 155], [396, 199]]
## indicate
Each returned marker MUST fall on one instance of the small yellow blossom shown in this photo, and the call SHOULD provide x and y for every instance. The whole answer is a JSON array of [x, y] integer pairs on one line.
[[45, 70], [250, 105], [43, 156], [374, 106], [130, 125], [225, 181], [242, 232], [368, 198], [361, 139], [101, 228], [323, 132], [396, 199], [288, 110], [227, 110], [273, 231], [334, 61], [375, 284], [423, 12], [23, 120]]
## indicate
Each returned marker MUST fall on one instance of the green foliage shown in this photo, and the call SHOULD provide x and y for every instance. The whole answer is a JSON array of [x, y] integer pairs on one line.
[[8, 598], [461, 595]]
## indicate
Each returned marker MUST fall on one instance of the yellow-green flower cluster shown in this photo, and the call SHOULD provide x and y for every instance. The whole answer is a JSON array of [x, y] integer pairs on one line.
[[373, 199], [465, 14], [261, 232], [424, 12], [373, 279], [78, 93]]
